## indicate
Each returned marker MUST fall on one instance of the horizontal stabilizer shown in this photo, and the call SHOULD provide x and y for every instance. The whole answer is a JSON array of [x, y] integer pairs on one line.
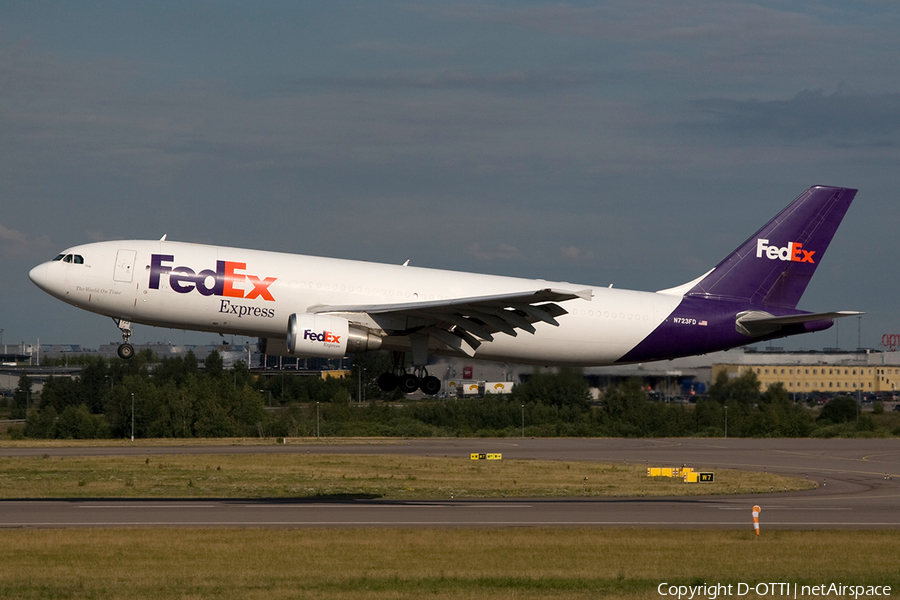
[[757, 323]]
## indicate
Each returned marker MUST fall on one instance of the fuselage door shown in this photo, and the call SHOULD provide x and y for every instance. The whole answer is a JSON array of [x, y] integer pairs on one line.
[[124, 265]]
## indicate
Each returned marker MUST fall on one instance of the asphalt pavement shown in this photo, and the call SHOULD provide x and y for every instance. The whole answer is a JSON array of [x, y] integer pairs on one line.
[[858, 488]]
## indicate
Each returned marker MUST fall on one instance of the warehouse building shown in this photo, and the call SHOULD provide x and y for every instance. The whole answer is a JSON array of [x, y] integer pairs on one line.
[[830, 372]]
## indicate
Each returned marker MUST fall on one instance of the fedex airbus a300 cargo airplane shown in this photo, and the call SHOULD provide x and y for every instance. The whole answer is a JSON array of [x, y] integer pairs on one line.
[[306, 306]]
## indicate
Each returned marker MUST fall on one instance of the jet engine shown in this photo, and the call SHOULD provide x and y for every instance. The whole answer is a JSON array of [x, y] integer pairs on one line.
[[320, 336]]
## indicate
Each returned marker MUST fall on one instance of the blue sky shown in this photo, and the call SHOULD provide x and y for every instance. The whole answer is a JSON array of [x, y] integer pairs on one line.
[[631, 143]]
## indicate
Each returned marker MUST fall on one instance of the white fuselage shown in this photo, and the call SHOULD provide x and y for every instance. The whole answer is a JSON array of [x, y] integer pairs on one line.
[[163, 283]]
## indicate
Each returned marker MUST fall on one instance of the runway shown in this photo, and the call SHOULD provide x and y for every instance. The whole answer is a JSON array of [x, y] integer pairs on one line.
[[858, 488]]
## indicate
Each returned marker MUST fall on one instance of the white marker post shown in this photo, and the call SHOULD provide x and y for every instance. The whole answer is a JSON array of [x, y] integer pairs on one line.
[[755, 513]]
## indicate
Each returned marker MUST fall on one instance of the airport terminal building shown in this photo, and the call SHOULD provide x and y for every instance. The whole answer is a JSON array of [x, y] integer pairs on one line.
[[831, 370], [877, 373]]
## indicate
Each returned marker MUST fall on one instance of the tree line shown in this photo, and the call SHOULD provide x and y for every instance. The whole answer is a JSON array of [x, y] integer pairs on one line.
[[176, 398]]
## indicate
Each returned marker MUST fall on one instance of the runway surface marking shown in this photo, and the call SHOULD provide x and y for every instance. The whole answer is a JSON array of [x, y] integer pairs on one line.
[[662, 524], [773, 507]]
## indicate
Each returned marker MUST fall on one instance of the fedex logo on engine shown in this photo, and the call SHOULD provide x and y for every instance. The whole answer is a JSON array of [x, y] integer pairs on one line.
[[793, 252], [325, 336], [226, 280]]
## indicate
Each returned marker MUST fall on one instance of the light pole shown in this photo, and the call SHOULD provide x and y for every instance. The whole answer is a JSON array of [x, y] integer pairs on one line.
[[858, 332], [317, 420], [523, 421], [726, 422], [132, 416]]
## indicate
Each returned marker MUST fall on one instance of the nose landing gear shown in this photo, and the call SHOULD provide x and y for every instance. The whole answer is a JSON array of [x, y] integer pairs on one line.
[[125, 350]]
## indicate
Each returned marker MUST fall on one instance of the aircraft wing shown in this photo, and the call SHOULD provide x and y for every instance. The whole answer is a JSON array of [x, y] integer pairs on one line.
[[757, 323], [463, 323]]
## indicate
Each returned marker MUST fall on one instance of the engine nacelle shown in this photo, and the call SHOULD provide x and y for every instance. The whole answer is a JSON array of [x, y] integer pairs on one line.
[[321, 336]]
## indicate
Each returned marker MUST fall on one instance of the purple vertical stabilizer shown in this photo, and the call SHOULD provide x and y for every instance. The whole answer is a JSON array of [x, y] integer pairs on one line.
[[752, 295], [774, 266]]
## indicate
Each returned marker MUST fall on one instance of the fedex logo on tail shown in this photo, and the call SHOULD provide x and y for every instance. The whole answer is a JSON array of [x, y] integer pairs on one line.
[[793, 252], [226, 280]]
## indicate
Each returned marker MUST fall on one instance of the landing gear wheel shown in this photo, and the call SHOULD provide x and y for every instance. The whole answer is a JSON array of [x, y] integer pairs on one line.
[[430, 385], [408, 383], [387, 382], [125, 351]]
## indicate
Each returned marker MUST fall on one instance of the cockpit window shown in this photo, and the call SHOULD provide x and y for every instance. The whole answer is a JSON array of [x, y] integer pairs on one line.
[[70, 258]]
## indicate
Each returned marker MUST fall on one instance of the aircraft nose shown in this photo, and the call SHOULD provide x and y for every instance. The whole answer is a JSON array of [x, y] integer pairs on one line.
[[39, 276]]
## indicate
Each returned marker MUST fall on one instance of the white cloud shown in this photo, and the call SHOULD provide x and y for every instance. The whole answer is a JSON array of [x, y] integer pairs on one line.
[[16, 244], [499, 252], [574, 253]]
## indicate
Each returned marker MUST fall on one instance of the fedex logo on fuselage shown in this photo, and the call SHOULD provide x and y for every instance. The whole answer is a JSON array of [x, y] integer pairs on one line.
[[325, 336], [793, 252], [226, 280]]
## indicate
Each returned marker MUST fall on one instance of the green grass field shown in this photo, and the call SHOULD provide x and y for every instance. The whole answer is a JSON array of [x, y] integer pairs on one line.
[[386, 563], [202, 564], [323, 475]]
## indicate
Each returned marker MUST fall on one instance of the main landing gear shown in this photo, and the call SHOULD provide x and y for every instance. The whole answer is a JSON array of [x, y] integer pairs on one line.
[[125, 350], [408, 382]]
